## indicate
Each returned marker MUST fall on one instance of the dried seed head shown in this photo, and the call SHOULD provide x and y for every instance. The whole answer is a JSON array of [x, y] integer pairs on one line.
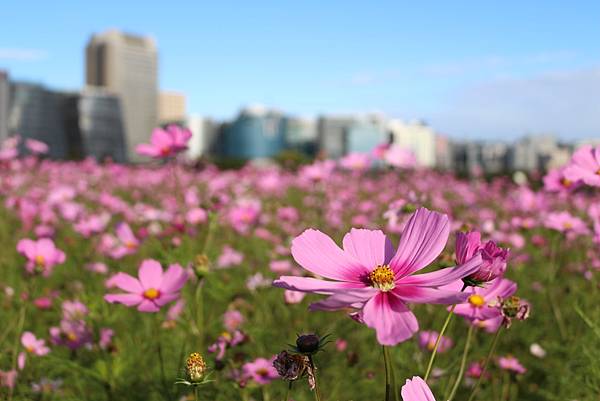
[[195, 367]]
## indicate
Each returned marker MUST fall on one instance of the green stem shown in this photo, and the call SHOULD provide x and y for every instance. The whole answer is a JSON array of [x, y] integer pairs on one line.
[[196, 393], [287, 391], [486, 363], [463, 362], [390, 379], [505, 387], [437, 342], [314, 370]]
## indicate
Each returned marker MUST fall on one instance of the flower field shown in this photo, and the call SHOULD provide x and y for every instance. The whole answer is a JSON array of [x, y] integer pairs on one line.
[[165, 282]]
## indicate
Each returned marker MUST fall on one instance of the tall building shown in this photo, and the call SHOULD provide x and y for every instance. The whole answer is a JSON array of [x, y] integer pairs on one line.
[[332, 134], [204, 135], [367, 133], [532, 152], [4, 102], [256, 133], [171, 108], [39, 113], [127, 65], [100, 125], [416, 136], [300, 134]]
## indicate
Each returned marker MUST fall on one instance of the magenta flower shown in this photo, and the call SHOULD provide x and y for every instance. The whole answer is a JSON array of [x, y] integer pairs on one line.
[[555, 181], [427, 341], [232, 320], [584, 166], [260, 370], [152, 290], [165, 142], [416, 389], [493, 257], [355, 161], [42, 255], [378, 281], [512, 364]]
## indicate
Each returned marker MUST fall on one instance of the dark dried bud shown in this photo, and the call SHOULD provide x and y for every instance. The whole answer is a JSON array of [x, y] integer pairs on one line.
[[290, 366], [308, 343], [514, 308]]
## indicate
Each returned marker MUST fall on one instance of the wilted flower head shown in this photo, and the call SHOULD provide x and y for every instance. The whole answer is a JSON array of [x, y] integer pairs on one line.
[[309, 344], [290, 366], [514, 308]]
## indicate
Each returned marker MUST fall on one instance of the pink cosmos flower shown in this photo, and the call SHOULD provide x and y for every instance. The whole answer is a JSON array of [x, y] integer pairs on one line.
[[493, 257], [398, 156], [232, 319], [555, 181], [33, 345], [482, 306], [42, 255], [356, 161], [106, 335], [260, 370], [293, 297], [584, 166], [229, 257], [36, 147], [416, 389], [511, 363], [152, 290], [165, 142], [378, 281], [427, 341], [567, 223], [8, 378]]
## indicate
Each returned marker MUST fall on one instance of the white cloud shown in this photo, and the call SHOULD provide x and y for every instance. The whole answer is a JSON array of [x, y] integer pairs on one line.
[[566, 103], [15, 54]]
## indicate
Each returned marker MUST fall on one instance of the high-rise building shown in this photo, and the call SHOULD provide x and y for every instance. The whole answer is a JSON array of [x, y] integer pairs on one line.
[[417, 137], [332, 135], [4, 104], [171, 108], [204, 134], [300, 134], [127, 65], [256, 133], [39, 113], [100, 125]]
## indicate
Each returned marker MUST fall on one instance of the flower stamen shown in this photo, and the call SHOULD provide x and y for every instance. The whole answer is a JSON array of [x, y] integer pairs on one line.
[[382, 278]]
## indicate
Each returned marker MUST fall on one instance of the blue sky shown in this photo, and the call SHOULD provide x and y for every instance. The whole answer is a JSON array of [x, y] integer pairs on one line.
[[471, 69]]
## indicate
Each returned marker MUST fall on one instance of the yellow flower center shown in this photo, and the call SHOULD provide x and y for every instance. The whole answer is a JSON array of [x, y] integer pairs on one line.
[[71, 336], [130, 245], [262, 372], [151, 293], [40, 260], [566, 183], [165, 150], [29, 349], [568, 225], [476, 300], [382, 278], [598, 172]]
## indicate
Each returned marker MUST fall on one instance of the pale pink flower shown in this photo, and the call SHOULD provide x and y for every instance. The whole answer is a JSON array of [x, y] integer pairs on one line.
[[8, 378], [356, 161], [34, 345], [567, 223], [416, 389], [152, 290], [229, 257], [293, 297], [378, 281], [260, 370], [36, 147], [42, 255], [427, 341], [232, 320], [584, 166], [512, 364]]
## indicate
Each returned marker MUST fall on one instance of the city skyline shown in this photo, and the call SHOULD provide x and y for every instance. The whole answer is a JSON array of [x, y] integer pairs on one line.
[[461, 71]]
